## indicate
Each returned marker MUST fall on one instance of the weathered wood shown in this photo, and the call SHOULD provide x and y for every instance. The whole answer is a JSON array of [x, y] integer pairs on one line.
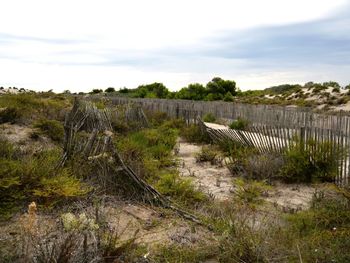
[[271, 128]]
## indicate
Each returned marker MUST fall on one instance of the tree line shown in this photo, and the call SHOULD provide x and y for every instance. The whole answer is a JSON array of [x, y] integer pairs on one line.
[[216, 89]]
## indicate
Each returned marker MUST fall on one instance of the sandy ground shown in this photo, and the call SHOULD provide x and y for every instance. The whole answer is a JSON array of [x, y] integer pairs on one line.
[[291, 198], [21, 136], [148, 226], [215, 180]]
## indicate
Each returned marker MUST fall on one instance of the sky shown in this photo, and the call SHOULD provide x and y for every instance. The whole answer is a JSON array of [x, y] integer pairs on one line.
[[81, 45]]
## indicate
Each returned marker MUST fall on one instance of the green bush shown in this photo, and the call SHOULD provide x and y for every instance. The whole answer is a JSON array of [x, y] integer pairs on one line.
[[336, 90], [59, 187], [174, 124], [311, 162], [239, 124], [262, 166], [228, 97], [250, 191], [182, 190], [194, 134], [36, 178], [51, 128], [209, 154], [323, 231], [209, 117], [10, 114], [148, 150], [7, 150], [24, 107], [156, 118]]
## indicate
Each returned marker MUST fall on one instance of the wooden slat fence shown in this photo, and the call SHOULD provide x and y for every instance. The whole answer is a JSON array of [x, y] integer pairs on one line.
[[271, 128]]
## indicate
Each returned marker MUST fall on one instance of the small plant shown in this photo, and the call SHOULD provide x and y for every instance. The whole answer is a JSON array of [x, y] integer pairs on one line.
[[263, 166], [311, 161], [239, 124], [52, 128], [250, 192], [228, 97], [156, 118], [209, 154], [193, 133], [180, 189], [10, 114], [209, 117], [336, 90]]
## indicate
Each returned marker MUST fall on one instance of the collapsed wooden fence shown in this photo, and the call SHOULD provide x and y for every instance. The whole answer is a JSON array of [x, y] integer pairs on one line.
[[271, 128]]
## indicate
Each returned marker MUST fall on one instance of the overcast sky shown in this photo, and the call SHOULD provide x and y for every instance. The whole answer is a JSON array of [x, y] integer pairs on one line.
[[84, 44]]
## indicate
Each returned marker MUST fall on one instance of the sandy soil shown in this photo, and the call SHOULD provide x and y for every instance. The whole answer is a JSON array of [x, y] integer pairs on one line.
[[291, 197], [215, 180], [20, 136], [148, 226]]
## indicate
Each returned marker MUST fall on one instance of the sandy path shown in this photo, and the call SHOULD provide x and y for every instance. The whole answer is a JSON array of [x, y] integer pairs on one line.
[[212, 179], [217, 181]]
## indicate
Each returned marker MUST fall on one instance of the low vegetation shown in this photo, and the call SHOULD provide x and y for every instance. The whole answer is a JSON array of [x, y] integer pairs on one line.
[[242, 228], [239, 124], [210, 154], [34, 178], [51, 128], [311, 162]]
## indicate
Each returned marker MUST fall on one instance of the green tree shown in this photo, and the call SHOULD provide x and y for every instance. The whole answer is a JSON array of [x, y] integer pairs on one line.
[[110, 89], [96, 91], [228, 97], [124, 90], [332, 84], [193, 91], [218, 88], [154, 90]]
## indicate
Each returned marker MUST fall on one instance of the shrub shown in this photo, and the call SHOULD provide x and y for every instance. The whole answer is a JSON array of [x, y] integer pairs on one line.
[[10, 114], [250, 192], [120, 126], [24, 107], [182, 190], [174, 124], [209, 117], [36, 177], [323, 231], [262, 166], [342, 100], [52, 128], [228, 97], [237, 156], [193, 133], [156, 118], [239, 124], [148, 150], [96, 91], [110, 89], [59, 187], [312, 161], [209, 154], [336, 89], [7, 150]]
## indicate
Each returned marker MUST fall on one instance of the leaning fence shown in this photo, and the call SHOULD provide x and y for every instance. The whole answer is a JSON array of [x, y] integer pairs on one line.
[[271, 128]]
